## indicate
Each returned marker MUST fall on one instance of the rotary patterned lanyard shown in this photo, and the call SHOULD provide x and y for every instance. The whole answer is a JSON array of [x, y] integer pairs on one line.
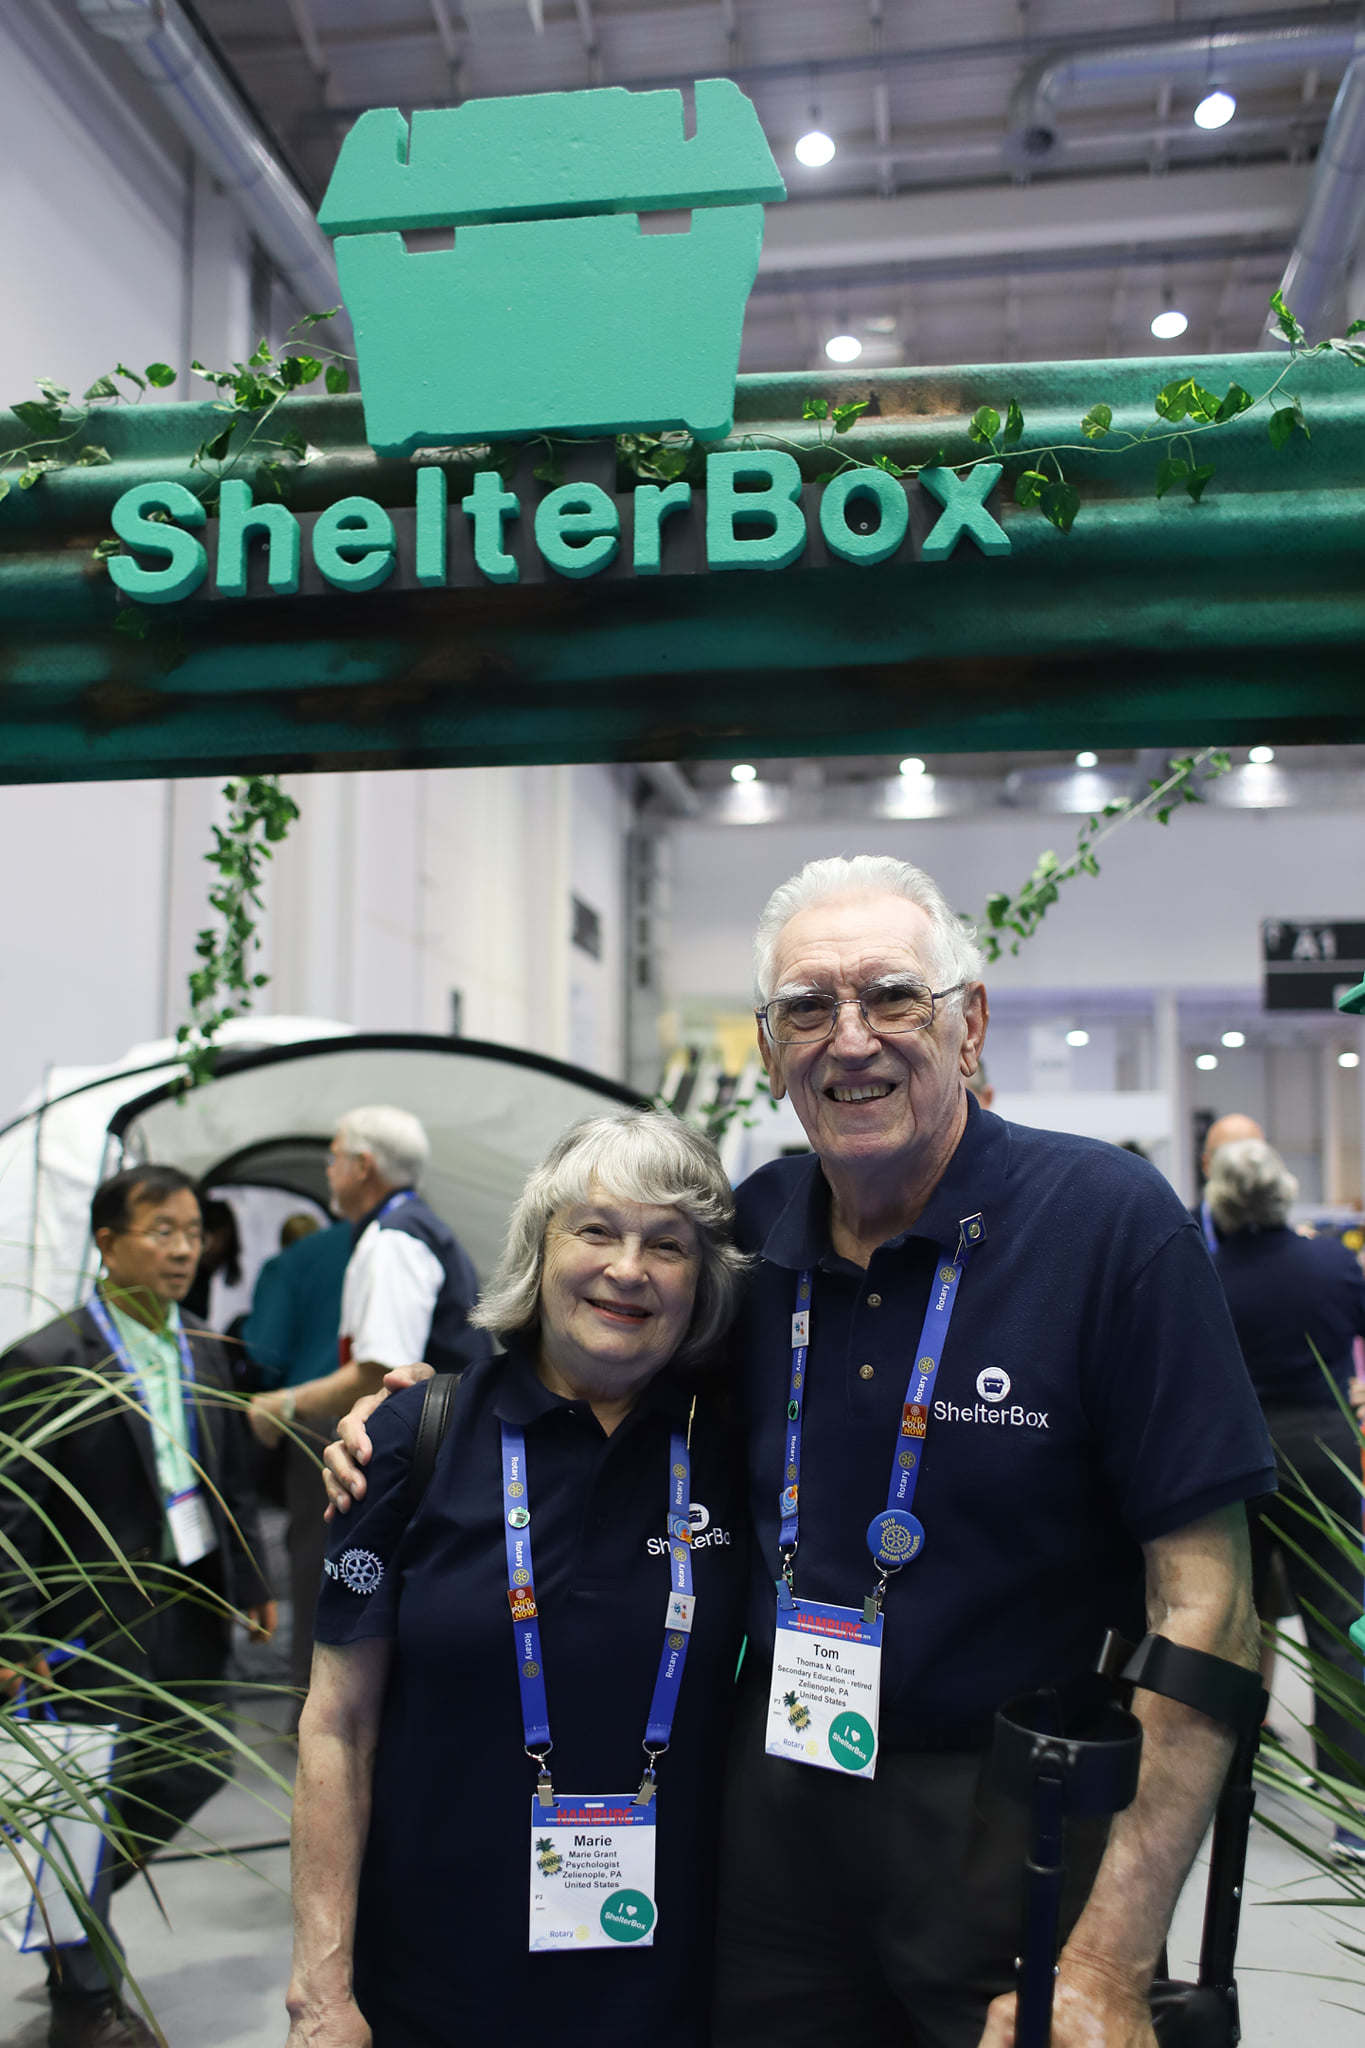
[[895, 1536], [521, 1595]]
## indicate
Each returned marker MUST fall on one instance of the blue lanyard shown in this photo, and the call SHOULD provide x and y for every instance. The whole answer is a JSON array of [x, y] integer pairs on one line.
[[895, 1536], [1206, 1224], [393, 1202], [521, 1596], [107, 1328]]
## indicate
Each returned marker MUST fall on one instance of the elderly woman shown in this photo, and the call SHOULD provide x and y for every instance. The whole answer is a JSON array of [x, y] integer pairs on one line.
[[509, 1760], [1295, 1300]]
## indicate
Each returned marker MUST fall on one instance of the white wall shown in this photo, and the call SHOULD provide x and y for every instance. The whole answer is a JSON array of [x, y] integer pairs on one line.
[[1177, 905]]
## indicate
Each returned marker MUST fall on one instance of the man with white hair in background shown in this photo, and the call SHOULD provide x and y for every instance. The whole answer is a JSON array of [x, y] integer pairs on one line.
[[1080, 1413], [409, 1284]]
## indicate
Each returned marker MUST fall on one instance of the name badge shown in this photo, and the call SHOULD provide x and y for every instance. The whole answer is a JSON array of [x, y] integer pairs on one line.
[[191, 1526], [826, 1688], [592, 1872]]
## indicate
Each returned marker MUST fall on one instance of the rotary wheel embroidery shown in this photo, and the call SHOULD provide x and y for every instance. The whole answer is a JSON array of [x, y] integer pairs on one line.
[[361, 1570]]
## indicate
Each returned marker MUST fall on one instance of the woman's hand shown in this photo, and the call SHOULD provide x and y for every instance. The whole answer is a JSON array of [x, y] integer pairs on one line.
[[342, 1460], [332, 2024]]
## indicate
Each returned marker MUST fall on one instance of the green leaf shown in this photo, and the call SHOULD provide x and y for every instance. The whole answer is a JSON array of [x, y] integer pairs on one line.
[[294, 443], [1097, 422], [1014, 425], [103, 387], [1236, 401], [260, 355], [216, 449], [104, 548], [1289, 326], [1196, 480], [122, 370], [549, 471], [891, 468], [58, 393], [1204, 405], [1172, 402], [1029, 487], [338, 379], [39, 467], [4, 488], [1352, 350], [843, 416], [160, 374], [132, 620], [1356, 327], [315, 319], [985, 425], [296, 370], [1060, 503], [40, 418], [1285, 422], [92, 456], [1171, 470], [815, 409]]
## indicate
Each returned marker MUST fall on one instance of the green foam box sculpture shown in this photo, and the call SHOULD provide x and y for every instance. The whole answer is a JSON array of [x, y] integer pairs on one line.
[[552, 311]]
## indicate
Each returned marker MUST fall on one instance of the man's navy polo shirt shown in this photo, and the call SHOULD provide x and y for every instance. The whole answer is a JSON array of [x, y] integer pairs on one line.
[[1092, 1396], [444, 1890]]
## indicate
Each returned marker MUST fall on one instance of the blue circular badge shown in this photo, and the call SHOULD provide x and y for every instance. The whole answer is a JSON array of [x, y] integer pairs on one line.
[[895, 1537], [786, 1502]]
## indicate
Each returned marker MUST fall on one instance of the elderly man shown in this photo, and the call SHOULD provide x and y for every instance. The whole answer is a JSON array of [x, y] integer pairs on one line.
[[1224, 1130], [1082, 1419]]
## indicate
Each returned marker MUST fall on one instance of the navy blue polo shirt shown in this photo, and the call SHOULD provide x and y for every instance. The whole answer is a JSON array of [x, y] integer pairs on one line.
[[1289, 1295], [1091, 1397], [441, 1940]]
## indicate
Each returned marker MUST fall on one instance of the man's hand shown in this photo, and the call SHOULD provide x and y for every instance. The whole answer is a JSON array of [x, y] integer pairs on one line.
[[340, 2025], [264, 1415], [1091, 2009], [14, 1676], [261, 1622], [1355, 1394], [342, 1460]]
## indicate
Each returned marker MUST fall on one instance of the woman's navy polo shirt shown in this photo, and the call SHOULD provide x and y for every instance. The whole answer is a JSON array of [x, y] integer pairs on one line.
[[1091, 1397], [1289, 1294], [441, 1933]]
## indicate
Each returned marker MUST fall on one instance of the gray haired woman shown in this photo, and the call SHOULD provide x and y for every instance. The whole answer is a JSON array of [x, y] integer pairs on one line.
[[510, 1756], [1296, 1301]]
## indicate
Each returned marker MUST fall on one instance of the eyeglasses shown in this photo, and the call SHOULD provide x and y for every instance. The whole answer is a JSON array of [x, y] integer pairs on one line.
[[164, 1235], [890, 1009]]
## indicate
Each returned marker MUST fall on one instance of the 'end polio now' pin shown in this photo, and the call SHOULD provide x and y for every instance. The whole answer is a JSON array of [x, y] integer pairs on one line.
[[895, 1537]]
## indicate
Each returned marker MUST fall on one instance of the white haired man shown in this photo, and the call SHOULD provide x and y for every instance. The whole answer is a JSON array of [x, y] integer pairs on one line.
[[1085, 1421]]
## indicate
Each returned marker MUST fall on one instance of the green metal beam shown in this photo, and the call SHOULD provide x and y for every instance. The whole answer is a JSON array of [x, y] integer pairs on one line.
[[1152, 623]]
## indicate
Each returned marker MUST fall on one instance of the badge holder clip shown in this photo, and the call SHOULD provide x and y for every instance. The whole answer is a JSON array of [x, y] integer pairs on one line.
[[545, 1791], [649, 1783]]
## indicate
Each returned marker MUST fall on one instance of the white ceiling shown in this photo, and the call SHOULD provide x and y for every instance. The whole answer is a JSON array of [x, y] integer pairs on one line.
[[918, 237]]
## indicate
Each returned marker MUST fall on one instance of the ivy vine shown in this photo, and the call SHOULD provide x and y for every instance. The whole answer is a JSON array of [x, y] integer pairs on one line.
[[226, 981], [1022, 914]]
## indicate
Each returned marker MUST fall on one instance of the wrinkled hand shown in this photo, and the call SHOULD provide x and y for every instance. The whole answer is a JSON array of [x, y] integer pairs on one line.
[[1092, 2008], [342, 1460], [14, 1676], [339, 2025], [263, 1416], [1355, 1394], [261, 1622]]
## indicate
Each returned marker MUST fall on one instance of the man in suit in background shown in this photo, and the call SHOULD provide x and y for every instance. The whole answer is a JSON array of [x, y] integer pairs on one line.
[[161, 1462]]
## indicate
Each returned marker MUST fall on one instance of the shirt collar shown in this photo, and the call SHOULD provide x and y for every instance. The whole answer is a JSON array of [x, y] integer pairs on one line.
[[358, 1229], [137, 1335], [971, 1184], [522, 1398]]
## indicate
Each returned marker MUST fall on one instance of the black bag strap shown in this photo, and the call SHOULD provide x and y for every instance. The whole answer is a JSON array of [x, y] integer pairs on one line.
[[438, 1405]]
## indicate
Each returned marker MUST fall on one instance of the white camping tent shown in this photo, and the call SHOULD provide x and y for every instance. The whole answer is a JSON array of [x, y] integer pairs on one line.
[[264, 1122]]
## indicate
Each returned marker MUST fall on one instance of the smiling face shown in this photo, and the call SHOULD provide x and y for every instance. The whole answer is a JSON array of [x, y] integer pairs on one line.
[[872, 1105], [616, 1295]]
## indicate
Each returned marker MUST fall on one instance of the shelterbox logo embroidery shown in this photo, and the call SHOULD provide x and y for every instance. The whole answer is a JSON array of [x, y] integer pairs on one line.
[[551, 309]]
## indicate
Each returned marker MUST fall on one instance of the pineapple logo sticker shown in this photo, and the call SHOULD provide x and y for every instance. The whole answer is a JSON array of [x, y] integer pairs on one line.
[[550, 308], [548, 1858], [627, 1916], [798, 1713]]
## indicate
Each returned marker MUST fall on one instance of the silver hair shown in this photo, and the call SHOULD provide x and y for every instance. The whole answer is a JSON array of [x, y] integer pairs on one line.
[[393, 1138], [642, 1155], [954, 955], [1249, 1187]]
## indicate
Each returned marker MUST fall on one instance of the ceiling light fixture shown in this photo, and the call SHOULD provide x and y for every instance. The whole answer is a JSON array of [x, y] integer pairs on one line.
[[1215, 110], [815, 149], [744, 771], [1078, 1038], [1348, 1059], [1170, 325], [843, 348], [912, 765], [1233, 1039], [1261, 757], [1206, 1062], [1087, 760]]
